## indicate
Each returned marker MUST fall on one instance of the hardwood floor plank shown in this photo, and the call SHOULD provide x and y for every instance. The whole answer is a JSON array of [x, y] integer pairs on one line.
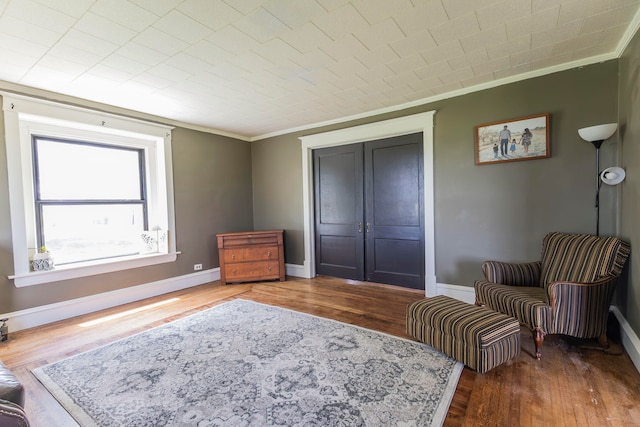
[[573, 385]]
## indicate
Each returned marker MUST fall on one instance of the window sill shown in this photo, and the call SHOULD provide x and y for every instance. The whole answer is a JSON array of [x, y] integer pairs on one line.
[[91, 268]]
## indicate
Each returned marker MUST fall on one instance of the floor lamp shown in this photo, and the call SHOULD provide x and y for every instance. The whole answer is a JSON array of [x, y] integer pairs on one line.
[[597, 135]]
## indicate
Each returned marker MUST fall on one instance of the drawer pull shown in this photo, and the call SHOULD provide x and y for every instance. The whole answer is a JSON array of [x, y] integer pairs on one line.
[[269, 268], [269, 254], [233, 256], [235, 271]]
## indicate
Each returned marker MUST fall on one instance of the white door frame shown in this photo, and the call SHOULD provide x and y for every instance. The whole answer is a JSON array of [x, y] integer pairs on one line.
[[422, 122]]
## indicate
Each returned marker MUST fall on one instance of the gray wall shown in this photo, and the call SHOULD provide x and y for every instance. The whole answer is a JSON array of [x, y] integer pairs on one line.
[[628, 297], [213, 194], [277, 198], [498, 211]]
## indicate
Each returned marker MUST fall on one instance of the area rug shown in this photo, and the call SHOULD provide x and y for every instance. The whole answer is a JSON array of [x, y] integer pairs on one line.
[[248, 364]]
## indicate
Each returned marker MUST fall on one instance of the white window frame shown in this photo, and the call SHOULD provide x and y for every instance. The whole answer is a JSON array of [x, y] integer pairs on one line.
[[25, 117]]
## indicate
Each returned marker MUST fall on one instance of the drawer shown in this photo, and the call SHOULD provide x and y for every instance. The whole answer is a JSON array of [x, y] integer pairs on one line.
[[251, 254], [252, 269], [250, 240]]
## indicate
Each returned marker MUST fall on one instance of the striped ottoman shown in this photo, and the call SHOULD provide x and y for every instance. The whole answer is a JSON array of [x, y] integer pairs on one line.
[[476, 336]]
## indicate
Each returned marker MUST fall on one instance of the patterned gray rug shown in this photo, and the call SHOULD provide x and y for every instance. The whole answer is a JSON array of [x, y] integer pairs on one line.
[[249, 364]]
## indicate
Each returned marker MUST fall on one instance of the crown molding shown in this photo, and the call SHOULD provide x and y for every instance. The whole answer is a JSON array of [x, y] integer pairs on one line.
[[459, 92], [628, 35]]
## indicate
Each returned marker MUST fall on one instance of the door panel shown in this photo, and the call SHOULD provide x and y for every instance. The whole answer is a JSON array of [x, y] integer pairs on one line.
[[394, 211], [338, 252], [394, 255], [339, 211]]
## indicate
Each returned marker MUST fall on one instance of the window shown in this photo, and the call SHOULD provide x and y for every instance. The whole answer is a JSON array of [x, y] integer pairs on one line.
[[89, 199], [89, 186]]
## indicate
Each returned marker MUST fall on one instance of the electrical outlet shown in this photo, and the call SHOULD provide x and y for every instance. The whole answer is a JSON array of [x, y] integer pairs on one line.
[[197, 267]]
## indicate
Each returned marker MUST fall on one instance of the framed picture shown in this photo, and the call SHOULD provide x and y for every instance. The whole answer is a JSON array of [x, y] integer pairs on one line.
[[526, 138]]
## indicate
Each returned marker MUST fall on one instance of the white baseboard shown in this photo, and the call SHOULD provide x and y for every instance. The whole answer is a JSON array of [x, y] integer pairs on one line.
[[36, 316], [629, 339], [295, 270], [459, 292]]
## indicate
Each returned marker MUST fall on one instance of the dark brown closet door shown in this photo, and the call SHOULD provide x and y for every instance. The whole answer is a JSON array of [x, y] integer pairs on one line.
[[394, 197], [369, 211], [339, 211]]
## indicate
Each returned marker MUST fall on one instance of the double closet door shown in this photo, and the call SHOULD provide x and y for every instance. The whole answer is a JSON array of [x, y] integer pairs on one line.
[[369, 211]]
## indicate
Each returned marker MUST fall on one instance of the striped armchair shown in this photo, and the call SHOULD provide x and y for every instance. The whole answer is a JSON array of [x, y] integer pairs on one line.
[[567, 292]]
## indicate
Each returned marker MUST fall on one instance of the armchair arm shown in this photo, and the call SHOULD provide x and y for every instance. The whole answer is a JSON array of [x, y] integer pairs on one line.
[[12, 415], [513, 274], [581, 309]]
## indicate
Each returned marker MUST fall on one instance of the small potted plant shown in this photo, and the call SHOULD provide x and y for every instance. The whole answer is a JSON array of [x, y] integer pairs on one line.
[[42, 260]]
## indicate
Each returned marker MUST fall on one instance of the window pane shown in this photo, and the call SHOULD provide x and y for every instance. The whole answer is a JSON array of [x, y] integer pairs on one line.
[[74, 233], [74, 171]]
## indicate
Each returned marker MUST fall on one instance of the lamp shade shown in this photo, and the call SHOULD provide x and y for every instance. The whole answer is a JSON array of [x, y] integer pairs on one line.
[[613, 175], [598, 133]]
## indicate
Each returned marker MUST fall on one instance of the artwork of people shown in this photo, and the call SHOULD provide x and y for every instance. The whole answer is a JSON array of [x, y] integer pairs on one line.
[[520, 139]]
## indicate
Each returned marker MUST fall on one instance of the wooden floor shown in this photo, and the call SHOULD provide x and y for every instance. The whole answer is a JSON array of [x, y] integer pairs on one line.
[[572, 385]]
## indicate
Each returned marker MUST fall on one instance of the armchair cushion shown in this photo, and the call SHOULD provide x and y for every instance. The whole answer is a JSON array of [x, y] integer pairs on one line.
[[528, 304]]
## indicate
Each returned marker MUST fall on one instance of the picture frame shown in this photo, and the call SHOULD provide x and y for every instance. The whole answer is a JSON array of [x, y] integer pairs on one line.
[[528, 139]]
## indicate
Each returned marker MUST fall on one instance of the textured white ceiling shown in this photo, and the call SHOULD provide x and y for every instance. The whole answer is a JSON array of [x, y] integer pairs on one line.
[[255, 68]]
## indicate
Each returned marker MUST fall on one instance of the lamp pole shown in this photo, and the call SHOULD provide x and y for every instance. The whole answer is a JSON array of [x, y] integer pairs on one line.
[[597, 144]]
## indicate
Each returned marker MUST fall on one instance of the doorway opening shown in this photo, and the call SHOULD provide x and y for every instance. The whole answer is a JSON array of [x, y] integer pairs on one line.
[[369, 211], [417, 123]]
